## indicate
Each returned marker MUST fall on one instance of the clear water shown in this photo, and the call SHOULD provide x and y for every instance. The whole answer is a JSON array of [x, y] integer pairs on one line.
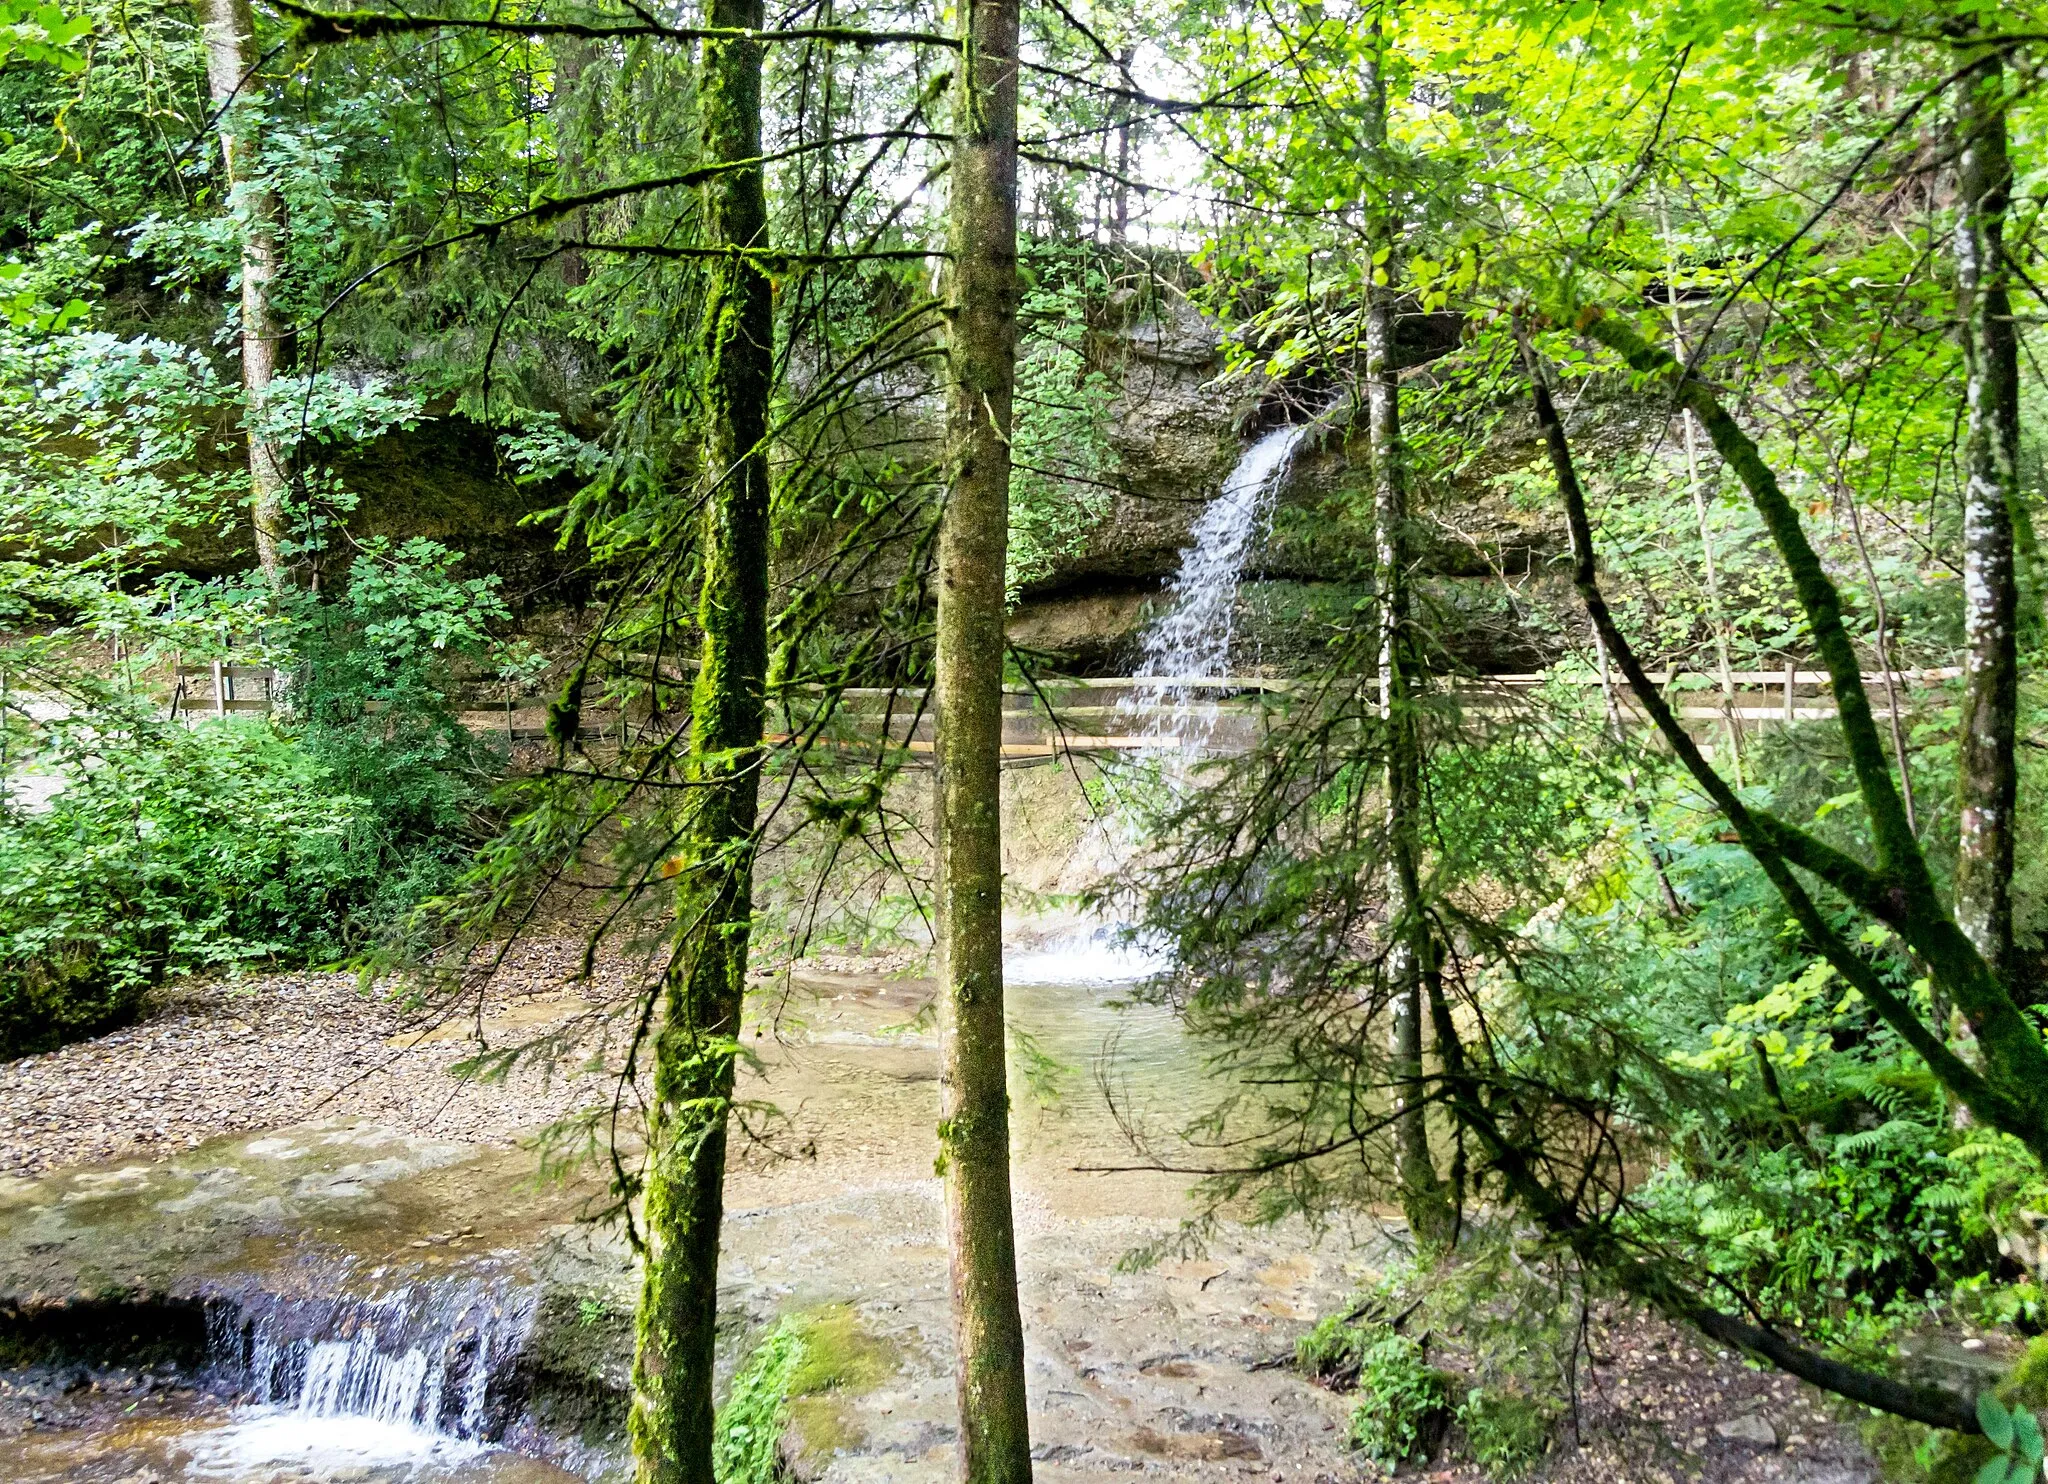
[[1089, 957], [207, 1443], [365, 1379], [431, 1357]]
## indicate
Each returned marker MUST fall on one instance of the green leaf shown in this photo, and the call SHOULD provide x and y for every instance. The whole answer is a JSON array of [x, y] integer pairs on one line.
[[1993, 1471], [1996, 1422], [2026, 1436]]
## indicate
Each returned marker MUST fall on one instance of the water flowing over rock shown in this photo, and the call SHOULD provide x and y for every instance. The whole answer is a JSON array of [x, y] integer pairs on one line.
[[438, 1357], [1191, 642]]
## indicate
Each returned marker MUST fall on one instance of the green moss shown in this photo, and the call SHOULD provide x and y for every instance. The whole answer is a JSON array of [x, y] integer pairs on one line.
[[791, 1399], [1955, 1458], [838, 1355]]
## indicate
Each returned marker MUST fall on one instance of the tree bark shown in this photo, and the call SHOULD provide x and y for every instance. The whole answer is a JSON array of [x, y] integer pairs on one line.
[[672, 1416], [1988, 773], [1409, 952], [571, 55], [974, 1131], [229, 33]]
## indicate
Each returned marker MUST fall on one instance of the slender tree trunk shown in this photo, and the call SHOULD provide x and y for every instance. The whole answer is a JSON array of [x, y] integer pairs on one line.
[[671, 1420], [1988, 774], [572, 53], [229, 33], [974, 1131], [1409, 955], [1120, 198], [1716, 612]]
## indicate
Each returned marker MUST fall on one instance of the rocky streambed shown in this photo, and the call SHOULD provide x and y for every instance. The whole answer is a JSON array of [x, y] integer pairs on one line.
[[298, 1302], [266, 1238]]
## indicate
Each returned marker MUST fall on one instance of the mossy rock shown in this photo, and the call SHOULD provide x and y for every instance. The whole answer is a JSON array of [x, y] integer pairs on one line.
[[578, 1362], [1902, 1448], [840, 1362], [61, 996]]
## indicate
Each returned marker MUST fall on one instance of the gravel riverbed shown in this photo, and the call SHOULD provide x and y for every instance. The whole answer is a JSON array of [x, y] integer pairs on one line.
[[221, 1056]]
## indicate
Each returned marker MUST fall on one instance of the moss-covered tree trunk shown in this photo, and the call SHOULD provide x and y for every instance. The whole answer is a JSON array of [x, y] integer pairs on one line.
[[1408, 957], [974, 1131], [229, 33], [1987, 772], [693, 1079]]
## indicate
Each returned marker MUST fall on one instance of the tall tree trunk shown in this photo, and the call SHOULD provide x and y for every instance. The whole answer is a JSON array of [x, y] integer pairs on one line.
[[1409, 955], [671, 1421], [1120, 197], [572, 53], [1988, 774], [229, 33], [974, 1131]]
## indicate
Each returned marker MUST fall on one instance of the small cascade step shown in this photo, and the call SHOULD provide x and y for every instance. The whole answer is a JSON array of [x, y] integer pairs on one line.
[[440, 1357]]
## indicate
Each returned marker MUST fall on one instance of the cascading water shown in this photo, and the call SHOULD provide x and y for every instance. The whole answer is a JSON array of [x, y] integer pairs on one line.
[[413, 1371], [1168, 708], [1192, 640]]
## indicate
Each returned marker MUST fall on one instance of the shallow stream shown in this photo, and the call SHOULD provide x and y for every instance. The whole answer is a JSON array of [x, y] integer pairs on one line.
[[370, 1300]]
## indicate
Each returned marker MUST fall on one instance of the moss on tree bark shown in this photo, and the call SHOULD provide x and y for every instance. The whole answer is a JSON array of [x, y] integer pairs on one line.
[[703, 998], [974, 1131]]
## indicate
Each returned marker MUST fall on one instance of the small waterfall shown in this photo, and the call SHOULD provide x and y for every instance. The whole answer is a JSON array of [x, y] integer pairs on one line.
[[1192, 640], [436, 1362]]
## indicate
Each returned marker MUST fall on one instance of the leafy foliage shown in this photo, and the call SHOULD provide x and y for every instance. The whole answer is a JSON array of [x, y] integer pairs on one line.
[[1506, 1432], [746, 1445], [1404, 1403]]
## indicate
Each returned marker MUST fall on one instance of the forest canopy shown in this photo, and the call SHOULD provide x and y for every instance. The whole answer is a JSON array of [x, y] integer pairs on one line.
[[465, 460]]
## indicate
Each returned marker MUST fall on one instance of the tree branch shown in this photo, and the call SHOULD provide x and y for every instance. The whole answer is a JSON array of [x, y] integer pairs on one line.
[[2015, 1060], [1998, 1106], [324, 27]]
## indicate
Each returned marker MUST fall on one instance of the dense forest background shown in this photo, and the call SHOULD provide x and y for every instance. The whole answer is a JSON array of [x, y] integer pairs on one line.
[[1680, 360]]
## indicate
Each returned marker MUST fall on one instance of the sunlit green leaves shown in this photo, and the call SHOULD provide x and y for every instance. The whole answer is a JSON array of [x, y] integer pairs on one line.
[[42, 33]]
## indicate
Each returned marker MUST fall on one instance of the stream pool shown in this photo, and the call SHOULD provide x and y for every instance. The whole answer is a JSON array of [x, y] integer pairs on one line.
[[389, 1365]]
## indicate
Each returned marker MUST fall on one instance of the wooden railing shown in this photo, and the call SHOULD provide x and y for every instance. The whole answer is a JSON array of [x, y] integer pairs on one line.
[[1114, 714]]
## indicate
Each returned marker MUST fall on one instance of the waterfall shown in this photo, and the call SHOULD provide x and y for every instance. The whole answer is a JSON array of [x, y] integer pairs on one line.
[[422, 1368], [1169, 709], [1191, 641]]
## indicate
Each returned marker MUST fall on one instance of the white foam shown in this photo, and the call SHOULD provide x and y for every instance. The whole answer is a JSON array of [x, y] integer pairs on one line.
[[1192, 639], [1095, 957], [279, 1437]]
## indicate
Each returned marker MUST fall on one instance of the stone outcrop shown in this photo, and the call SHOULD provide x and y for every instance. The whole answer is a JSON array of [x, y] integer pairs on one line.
[[1488, 588]]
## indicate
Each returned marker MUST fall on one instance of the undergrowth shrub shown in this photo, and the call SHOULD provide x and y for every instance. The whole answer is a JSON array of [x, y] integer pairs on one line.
[[155, 848], [1332, 1352], [1507, 1433], [1404, 1403], [747, 1440]]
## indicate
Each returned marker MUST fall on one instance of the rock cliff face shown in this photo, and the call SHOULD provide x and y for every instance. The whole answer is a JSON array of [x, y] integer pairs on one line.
[[1487, 586], [1178, 425], [1175, 429], [446, 481]]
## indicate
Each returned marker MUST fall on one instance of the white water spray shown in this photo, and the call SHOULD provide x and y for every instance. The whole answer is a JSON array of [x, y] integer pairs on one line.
[[420, 1372], [1169, 708], [1191, 641]]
